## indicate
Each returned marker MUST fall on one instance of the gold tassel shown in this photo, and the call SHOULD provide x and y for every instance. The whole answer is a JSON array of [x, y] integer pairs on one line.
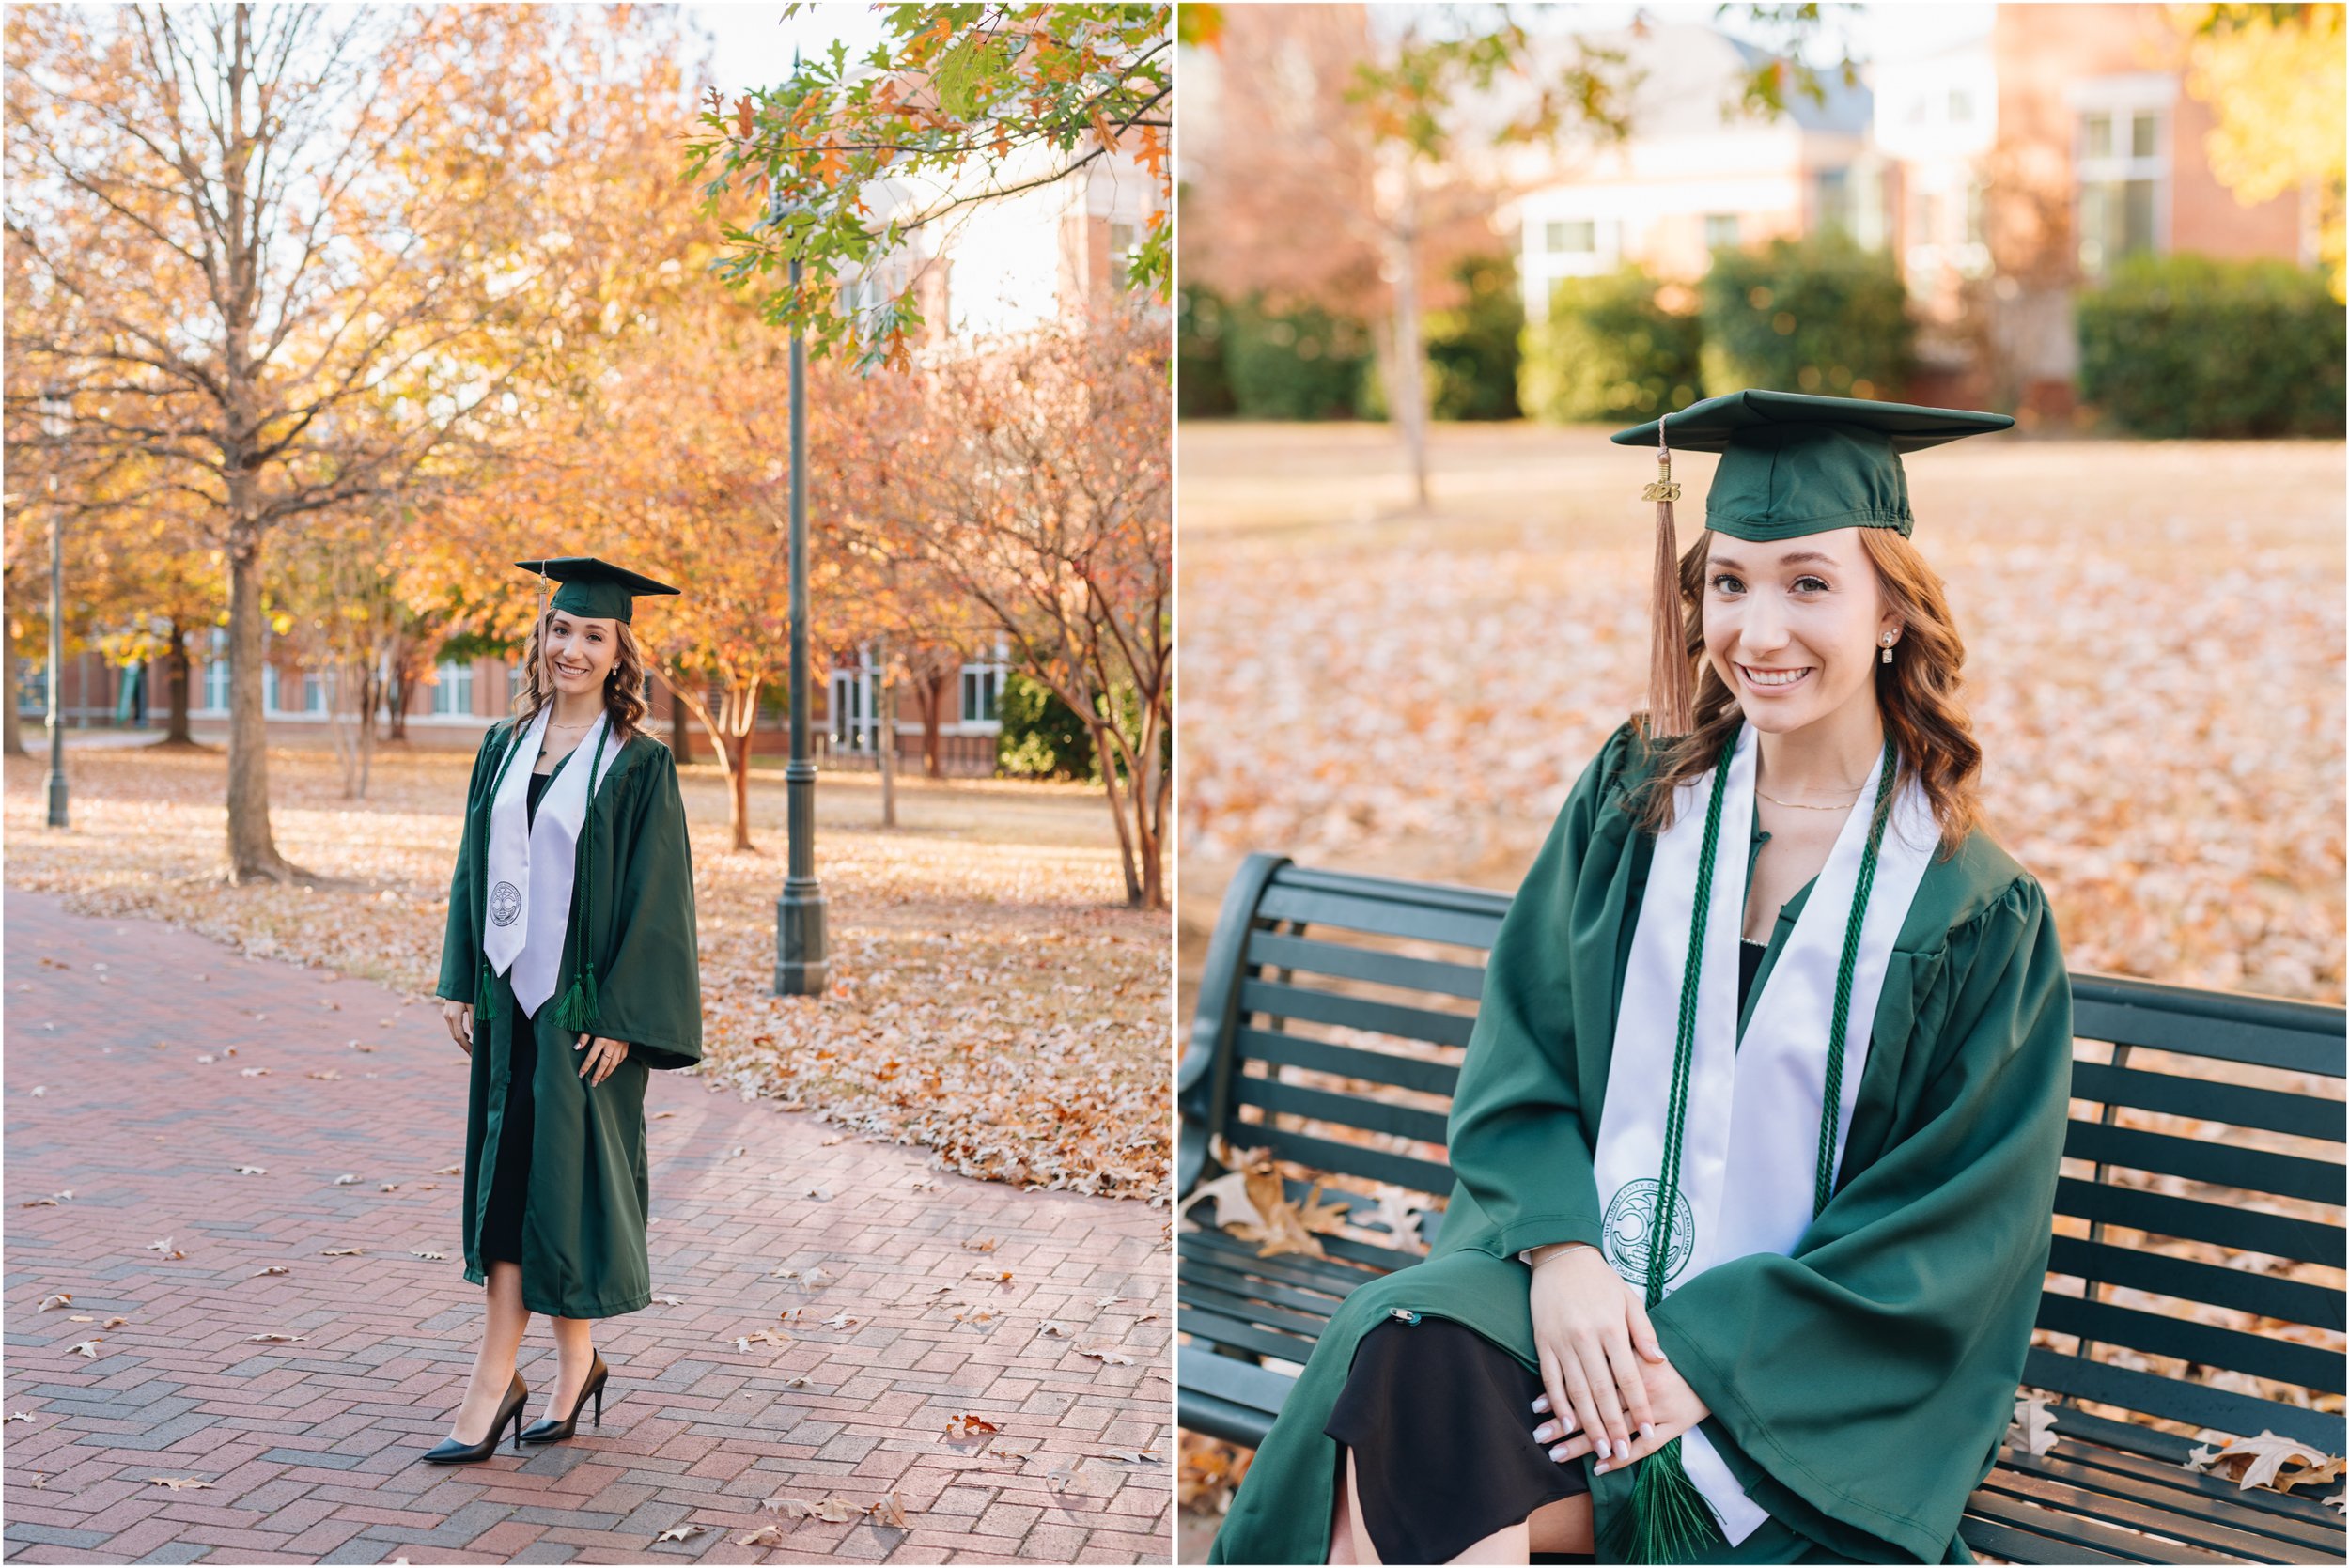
[[1670, 688]]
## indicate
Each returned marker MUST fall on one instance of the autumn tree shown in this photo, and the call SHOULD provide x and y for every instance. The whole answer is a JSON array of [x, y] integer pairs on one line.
[[1384, 134], [2275, 80], [303, 249], [957, 106], [1035, 479]]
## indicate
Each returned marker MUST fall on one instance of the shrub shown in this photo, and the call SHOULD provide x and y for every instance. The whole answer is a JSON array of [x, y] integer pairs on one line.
[[1472, 350], [1301, 363], [1202, 391], [2197, 346], [1607, 351], [1041, 736], [1819, 315]]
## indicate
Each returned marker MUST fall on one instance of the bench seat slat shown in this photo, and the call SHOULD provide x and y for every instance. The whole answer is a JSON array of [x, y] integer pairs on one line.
[[2212, 1523], [2065, 1509], [1332, 1278], [2219, 1164], [2189, 1219], [2188, 1280], [1990, 1537], [1203, 1322], [1244, 1309], [2097, 1469], [1419, 1176], [1344, 961]]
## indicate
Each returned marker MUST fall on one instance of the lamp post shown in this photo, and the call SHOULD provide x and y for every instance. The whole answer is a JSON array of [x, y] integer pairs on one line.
[[53, 423], [800, 969]]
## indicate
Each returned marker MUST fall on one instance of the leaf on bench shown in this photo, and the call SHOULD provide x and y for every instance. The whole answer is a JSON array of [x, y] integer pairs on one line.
[[1399, 1213], [1290, 1226], [1229, 1194], [2032, 1430], [2279, 1464]]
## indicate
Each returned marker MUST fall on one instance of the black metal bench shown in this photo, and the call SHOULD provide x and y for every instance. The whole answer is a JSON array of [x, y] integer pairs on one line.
[[1333, 1002]]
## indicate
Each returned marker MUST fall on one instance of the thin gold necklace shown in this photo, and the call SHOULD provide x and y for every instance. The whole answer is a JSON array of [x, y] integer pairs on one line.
[[1802, 806]]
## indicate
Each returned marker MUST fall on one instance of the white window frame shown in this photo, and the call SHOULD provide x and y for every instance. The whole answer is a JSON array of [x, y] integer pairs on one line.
[[855, 715], [991, 672], [454, 678], [2122, 99], [215, 675]]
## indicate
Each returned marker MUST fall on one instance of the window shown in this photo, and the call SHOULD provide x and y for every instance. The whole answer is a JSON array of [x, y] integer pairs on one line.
[[268, 689], [1961, 106], [2123, 171], [853, 721], [1835, 200], [1570, 236], [1124, 239], [453, 696], [981, 685], [32, 685], [315, 686], [1721, 228], [216, 671]]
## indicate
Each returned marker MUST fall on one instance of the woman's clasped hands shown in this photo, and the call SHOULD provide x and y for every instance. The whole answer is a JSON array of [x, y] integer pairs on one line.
[[1610, 1390]]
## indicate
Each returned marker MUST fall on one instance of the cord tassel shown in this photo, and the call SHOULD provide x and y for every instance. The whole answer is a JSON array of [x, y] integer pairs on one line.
[[1671, 686], [1667, 1519], [483, 1000]]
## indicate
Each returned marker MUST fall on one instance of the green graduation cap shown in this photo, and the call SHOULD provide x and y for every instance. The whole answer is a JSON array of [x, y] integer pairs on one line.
[[594, 588], [1792, 464]]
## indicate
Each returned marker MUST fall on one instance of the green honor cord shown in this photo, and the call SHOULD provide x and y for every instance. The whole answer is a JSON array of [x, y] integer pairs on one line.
[[1669, 1520]]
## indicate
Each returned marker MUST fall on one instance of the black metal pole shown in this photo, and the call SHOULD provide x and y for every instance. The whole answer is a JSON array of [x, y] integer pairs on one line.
[[56, 660], [800, 969]]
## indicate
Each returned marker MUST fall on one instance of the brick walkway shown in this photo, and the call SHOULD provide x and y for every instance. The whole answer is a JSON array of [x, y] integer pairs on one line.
[[311, 1447]]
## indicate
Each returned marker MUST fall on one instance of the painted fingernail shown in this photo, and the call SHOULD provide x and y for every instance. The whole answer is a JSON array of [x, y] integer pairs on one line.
[[1541, 1401], [1604, 1452], [1599, 1468], [1647, 1430], [1559, 1454], [1545, 1431]]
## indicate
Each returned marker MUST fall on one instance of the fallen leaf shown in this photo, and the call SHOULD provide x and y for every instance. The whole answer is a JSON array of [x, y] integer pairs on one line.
[[680, 1533]]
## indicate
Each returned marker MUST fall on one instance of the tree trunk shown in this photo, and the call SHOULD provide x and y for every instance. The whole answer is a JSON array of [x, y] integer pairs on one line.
[[680, 729], [739, 746], [181, 672], [11, 726], [887, 735], [1105, 752], [1406, 378], [933, 710], [252, 851]]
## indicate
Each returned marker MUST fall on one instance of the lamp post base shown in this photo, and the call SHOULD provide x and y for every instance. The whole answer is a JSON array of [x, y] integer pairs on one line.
[[800, 967]]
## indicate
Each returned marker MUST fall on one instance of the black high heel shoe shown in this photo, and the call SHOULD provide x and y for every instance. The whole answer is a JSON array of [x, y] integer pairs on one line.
[[451, 1452], [549, 1430]]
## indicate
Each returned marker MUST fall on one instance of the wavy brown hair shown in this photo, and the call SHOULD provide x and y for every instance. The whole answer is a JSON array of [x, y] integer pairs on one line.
[[623, 688], [1917, 692]]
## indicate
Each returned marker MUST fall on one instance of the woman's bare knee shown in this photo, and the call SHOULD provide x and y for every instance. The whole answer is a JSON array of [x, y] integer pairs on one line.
[[1564, 1526], [1349, 1540]]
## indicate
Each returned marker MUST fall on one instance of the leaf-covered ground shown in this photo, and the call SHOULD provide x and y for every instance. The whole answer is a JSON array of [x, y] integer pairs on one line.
[[2155, 665], [991, 997], [2154, 669]]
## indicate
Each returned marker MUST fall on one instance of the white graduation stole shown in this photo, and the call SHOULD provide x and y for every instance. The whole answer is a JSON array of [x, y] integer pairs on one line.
[[1750, 1138], [529, 915]]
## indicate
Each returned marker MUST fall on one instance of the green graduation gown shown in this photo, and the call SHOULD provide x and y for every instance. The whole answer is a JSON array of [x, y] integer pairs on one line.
[[1860, 1388], [583, 1223]]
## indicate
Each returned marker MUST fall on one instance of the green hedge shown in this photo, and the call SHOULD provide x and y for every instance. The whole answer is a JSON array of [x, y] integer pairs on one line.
[[1821, 314], [1472, 350], [1301, 363], [1607, 350], [1202, 391], [2196, 346]]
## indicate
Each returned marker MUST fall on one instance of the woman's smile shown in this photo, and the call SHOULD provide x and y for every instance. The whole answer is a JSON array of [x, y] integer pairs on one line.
[[1774, 680]]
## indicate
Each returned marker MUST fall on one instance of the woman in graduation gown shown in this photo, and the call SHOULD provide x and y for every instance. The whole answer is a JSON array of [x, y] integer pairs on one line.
[[1779, 1244], [571, 973]]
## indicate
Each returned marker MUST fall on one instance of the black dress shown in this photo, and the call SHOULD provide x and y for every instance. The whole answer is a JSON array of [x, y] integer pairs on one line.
[[509, 1184], [1426, 1410]]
